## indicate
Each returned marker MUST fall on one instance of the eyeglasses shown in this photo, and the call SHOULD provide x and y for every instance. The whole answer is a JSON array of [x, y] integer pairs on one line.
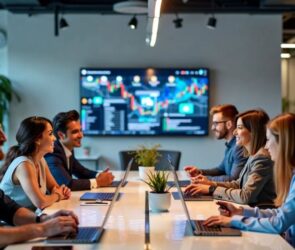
[[214, 124]]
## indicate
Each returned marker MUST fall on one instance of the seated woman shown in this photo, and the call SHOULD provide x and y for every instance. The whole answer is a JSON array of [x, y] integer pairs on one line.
[[25, 176], [281, 146], [255, 185]]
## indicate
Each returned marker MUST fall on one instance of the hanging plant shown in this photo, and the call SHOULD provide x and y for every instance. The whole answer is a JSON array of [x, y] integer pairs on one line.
[[6, 94]]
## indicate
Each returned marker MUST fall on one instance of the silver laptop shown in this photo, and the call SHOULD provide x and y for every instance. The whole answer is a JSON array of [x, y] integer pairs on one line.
[[89, 235], [107, 196], [196, 226]]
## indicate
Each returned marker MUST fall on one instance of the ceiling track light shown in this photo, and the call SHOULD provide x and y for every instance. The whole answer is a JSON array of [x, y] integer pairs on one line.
[[63, 23], [56, 27], [154, 11], [285, 55], [212, 22], [288, 45], [178, 22], [133, 23]]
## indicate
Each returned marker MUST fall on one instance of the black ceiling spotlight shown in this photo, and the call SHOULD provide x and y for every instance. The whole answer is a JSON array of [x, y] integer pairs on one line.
[[133, 23], [212, 22], [177, 22], [63, 23]]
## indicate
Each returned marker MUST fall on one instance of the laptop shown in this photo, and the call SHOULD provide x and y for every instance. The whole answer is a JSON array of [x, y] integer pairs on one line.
[[182, 183], [188, 197], [107, 196], [90, 235], [196, 226]]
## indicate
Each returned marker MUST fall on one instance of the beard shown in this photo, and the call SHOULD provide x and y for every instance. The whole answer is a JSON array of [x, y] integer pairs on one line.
[[221, 134]]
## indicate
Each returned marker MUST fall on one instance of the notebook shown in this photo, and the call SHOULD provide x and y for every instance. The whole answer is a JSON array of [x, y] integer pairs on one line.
[[89, 235], [107, 196], [196, 226]]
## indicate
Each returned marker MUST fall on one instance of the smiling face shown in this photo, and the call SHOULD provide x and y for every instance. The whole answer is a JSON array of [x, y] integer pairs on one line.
[[73, 136], [243, 135], [219, 126], [46, 142], [272, 145]]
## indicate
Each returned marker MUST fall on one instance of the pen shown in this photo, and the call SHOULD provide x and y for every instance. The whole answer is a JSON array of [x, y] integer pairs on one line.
[[96, 202]]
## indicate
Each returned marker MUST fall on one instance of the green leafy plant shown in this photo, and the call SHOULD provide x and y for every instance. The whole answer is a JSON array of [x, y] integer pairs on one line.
[[157, 181], [147, 157], [6, 94]]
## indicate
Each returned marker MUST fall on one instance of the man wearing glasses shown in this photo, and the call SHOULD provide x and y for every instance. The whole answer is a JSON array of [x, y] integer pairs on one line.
[[223, 126]]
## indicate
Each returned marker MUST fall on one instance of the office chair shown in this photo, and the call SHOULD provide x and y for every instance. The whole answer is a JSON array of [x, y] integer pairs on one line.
[[162, 164]]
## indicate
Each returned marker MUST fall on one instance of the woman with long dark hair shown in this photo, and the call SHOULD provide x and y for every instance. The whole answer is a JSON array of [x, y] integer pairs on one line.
[[25, 176]]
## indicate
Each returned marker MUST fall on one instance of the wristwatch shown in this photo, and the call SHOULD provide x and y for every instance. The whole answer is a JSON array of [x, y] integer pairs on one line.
[[38, 217], [211, 189]]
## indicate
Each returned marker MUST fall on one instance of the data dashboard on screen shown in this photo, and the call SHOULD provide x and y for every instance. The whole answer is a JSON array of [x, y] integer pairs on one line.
[[144, 101]]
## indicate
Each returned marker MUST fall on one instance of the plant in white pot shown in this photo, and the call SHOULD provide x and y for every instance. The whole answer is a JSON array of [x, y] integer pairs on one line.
[[146, 158], [159, 197]]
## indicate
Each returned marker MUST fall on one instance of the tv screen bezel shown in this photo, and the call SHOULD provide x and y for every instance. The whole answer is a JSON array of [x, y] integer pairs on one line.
[[147, 135]]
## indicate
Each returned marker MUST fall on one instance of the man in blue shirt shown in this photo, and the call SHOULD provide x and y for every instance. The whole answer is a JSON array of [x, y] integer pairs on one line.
[[223, 126]]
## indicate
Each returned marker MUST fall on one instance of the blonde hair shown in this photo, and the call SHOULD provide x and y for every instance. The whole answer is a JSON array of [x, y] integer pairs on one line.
[[282, 127]]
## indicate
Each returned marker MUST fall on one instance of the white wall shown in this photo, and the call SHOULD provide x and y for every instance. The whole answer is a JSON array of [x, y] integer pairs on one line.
[[243, 54]]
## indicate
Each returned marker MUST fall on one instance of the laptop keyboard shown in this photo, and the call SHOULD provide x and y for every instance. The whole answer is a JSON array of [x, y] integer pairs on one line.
[[116, 183], [85, 234], [201, 227], [98, 196], [106, 196], [188, 196]]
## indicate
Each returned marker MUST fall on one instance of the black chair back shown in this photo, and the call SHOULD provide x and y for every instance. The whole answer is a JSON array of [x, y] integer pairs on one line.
[[162, 164]]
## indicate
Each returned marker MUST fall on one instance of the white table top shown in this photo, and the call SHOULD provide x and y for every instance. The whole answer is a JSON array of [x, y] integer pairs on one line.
[[125, 227]]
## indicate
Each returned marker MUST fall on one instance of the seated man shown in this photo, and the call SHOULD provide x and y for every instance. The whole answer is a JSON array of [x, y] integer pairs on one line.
[[62, 162], [28, 225], [223, 126]]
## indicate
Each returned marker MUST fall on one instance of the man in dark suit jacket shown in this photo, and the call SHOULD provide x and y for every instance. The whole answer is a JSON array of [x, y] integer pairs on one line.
[[62, 162]]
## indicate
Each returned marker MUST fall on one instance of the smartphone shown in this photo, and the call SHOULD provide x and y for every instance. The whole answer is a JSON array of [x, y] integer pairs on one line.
[[52, 247]]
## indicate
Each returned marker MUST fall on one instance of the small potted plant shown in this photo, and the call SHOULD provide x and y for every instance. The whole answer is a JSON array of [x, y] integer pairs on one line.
[[146, 158], [159, 197]]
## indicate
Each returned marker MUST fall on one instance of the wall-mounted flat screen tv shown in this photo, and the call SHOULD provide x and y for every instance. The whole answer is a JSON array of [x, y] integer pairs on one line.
[[144, 101]]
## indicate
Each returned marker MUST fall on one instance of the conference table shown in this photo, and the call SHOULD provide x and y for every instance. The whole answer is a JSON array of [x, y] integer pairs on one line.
[[125, 228]]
